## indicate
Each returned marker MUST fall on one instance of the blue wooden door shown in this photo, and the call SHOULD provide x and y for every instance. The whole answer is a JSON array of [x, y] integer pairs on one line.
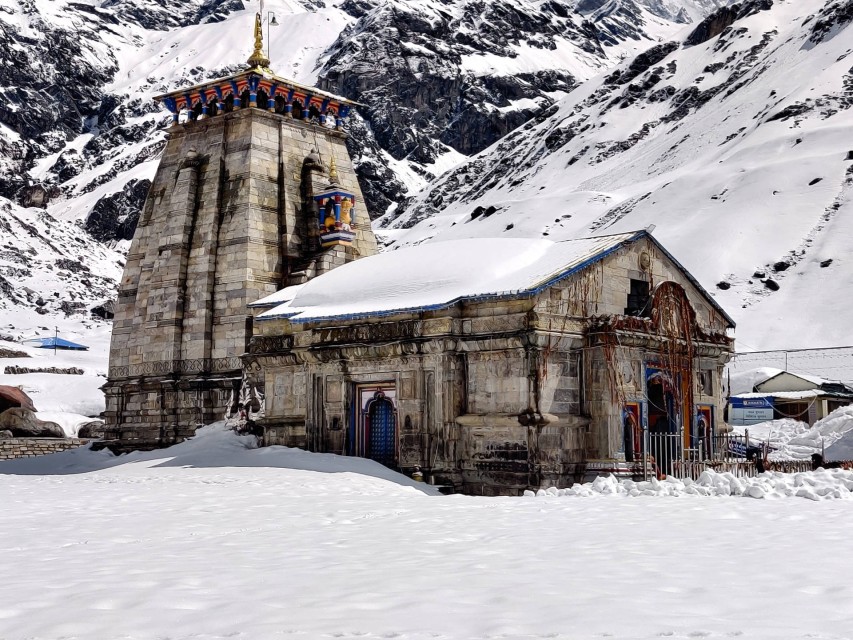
[[382, 442]]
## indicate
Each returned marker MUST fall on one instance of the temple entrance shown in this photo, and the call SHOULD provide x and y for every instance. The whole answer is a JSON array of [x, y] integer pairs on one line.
[[660, 390], [665, 443], [381, 430], [373, 429]]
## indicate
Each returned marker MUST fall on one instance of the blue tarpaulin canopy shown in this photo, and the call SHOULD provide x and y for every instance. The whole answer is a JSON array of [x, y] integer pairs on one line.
[[58, 343]]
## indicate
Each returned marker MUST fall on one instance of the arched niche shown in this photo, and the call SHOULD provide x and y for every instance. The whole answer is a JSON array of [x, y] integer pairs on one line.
[[245, 97], [280, 105], [228, 103], [331, 117], [263, 100], [297, 109]]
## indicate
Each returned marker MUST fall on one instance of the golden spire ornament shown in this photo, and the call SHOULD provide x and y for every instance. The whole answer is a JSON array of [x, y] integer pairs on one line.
[[333, 171], [258, 59]]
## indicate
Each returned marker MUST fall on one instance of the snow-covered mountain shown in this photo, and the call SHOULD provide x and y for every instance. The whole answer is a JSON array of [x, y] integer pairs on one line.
[[509, 112], [440, 78], [443, 79], [734, 139]]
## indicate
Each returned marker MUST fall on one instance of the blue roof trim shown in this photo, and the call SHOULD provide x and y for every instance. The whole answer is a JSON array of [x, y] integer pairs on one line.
[[522, 293]]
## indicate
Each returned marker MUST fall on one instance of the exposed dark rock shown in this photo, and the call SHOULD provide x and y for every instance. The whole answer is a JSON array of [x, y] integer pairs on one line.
[[771, 284], [13, 353], [781, 266], [825, 263], [641, 63], [724, 17], [161, 15], [114, 217], [831, 18], [14, 370], [401, 64], [90, 430], [105, 311], [723, 285], [74, 266], [36, 195], [23, 423], [790, 111], [70, 308], [814, 182]]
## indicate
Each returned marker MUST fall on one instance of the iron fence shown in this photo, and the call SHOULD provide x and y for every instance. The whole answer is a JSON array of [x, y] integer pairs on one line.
[[671, 454]]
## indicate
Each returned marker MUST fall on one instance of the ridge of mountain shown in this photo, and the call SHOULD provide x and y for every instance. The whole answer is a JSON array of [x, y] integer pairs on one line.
[[733, 140]]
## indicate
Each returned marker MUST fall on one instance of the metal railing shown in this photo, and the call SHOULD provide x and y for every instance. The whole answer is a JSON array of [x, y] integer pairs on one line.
[[665, 454]]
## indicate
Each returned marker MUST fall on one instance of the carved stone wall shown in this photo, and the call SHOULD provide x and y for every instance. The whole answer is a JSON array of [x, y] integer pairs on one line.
[[492, 397]]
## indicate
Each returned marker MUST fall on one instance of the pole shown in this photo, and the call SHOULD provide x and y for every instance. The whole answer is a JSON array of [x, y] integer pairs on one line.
[[55, 338]]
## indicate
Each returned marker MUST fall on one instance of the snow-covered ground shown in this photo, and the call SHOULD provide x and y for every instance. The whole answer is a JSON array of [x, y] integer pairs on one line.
[[214, 539], [50, 392]]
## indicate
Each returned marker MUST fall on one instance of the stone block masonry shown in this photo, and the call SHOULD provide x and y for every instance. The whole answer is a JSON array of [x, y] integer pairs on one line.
[[229, 220], [14, 448]]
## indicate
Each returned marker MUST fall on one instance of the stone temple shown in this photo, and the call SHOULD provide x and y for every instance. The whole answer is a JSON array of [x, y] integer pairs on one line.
[[231, 217], [487, 365]]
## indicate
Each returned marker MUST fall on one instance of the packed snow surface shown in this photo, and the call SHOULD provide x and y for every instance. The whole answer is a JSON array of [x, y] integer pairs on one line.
[[214, 538], [396, 280]]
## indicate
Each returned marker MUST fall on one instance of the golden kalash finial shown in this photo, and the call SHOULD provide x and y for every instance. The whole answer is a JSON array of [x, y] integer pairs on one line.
[[258, 59], [333, 171]]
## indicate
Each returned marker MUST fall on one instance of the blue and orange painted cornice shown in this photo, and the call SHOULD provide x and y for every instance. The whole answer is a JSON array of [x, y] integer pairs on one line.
[[254, 80]]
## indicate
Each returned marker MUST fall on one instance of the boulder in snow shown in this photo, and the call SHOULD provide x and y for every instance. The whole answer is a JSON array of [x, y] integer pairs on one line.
[[24, 423]]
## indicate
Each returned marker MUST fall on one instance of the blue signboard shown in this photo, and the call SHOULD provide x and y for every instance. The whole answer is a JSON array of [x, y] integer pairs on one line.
[[747, 411]]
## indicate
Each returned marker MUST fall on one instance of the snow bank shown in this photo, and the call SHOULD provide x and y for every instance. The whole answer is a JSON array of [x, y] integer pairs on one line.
[[745, 381], [794, 440], [70, 422], [218, 447], [815, 485]]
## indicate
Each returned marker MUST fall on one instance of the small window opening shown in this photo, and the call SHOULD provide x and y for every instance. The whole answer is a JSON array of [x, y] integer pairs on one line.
[[638, 299]]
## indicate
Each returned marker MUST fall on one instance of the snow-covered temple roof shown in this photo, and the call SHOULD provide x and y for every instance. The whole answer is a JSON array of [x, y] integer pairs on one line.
[[279, 297], [439, 274]]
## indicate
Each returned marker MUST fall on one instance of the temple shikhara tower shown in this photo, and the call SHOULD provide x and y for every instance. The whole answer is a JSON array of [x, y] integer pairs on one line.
[[255, 192]]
